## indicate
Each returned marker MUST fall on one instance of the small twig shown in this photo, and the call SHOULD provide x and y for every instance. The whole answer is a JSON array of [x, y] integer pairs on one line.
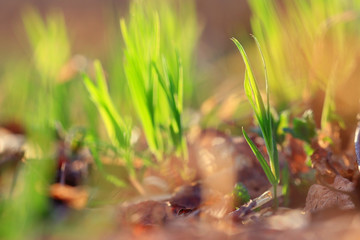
[[243, 211]]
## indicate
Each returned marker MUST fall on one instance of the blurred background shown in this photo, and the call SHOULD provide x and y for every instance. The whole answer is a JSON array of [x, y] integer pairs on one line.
[[219, 19], [49, 84], [94, 32]]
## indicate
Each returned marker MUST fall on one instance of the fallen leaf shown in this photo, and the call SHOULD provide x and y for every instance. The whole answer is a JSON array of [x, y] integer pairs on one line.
[[321, 197]]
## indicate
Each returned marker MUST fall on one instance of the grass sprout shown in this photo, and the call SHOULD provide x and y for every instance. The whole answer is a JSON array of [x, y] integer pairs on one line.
[[264, 119], [175, 100], [159, 45]]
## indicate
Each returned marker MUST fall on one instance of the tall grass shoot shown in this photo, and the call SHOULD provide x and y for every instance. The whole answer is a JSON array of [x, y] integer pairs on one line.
[[264, 119]]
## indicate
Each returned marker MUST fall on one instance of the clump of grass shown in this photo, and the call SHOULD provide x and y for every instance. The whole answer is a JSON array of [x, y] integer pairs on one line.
[[53, 89], [50, 49], [49, 42], [118, 130], [26, 207], [158, 43], [316, 36], [264, 119]]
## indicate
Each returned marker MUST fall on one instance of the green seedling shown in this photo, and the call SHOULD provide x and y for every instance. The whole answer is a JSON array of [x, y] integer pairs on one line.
[[240, 194], [304, 128], [264, 119]]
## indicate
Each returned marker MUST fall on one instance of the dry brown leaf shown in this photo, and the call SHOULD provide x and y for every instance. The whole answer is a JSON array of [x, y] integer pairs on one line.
[[321, 197]]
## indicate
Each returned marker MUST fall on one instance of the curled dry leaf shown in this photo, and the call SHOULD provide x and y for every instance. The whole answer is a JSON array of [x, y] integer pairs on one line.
[[321, 197], [345, 165], [329, 165], [320, 160]]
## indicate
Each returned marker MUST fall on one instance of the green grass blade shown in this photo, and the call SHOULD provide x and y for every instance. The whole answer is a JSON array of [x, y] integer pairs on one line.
[[116, 128], [175, 125], [252, 87], [274, 163], [163, 34], [138, 74], [266, 77], [259, 156], [180, 92], [262, 113], [112, 126]]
